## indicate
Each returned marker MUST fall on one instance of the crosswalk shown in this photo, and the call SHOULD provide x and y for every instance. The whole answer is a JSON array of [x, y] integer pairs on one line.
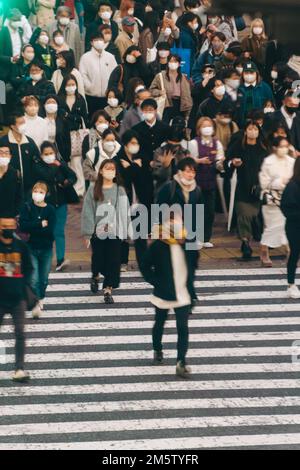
[[93, 385]]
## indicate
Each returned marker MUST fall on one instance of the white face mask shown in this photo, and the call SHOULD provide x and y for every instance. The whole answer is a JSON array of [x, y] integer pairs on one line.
[[167, 31], [101, 127], [22, 129], [109, 146], [213, 20], [51, 108], [59, 40], [186, 182], [239, 70], [234, 84], [106, 15], [207, 131], [36, 77], [258, 30], [269, 110], [16, 24], [148, 8], [163, 54], [29, 56], [4, 161], [70, 90], [113, 102], [64, 21], [195, 26], [250, 77], [220, 90], [130, 12], [98, 45], [274, 74], [225, 120], [49, 159], [130, 59], [194, 10], [133, 148], [173, 65], [44, 40], [109, 174], [38, 197], [282, 151], [139, 88], [148, 116]]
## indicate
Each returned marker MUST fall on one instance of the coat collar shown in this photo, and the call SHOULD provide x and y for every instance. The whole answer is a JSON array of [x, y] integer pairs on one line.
[[12, 140]]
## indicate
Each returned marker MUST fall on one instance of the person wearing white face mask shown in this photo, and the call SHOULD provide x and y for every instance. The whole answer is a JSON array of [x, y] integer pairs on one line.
[[60, 180], [175, 86], [65, 63], [20, 70], [253, 92], [43, 50], [37, 85], [232, 83], [114, 107], [69, 29], [14, 33], [24, 151], [189, 35], [104, 234], [104, 17], [126, 36], [58, 43], [96, 67], [100, 122], [218, 99], [37, 218], [58, 128], [36, 127], [10, 184], [107, 148], [276, 172]]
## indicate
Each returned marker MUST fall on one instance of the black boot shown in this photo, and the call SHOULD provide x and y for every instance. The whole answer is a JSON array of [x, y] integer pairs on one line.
[[94, 285], [158, 357], [246, 250]]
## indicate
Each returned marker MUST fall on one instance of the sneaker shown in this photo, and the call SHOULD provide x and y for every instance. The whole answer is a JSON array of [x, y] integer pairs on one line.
[[20, 376], [94, 285], [41, 302], [124, 268], [37, 311], [208, 245], [108, 298], [182, 370], [293, 292], [158, 357], [62, 264], [246, 250]]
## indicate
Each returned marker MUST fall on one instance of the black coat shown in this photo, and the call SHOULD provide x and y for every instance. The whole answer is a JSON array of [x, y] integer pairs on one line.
[[93, 28], [157, 269], [290, 205], [29, 156], [294, 132], [139, 177], [151, 137], [41, 89], [78, 112], [139, 69], [10, 193], [19, 74], [55, 176], [6, 52]]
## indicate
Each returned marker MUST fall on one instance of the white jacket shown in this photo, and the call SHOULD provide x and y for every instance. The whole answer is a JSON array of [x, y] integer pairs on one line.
[[91, 166], [95, 70], [275, 172], [57, 79]]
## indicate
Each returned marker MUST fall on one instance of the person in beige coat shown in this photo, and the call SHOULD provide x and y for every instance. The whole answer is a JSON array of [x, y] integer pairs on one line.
[[44, 12], [175, 86], [126, 38]]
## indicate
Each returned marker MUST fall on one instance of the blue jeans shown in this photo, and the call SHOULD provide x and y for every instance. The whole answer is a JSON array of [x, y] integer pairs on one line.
[[41, 261], [59, 231]]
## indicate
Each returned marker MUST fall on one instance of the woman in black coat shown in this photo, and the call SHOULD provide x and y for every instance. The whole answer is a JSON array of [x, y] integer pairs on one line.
[[121, 75], [72, 103], [290, 206], [37, 85], [60, 180], [58, 127]]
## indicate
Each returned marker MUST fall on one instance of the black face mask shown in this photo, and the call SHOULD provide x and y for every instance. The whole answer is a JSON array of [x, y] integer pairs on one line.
[[8, 233], [291, 110]]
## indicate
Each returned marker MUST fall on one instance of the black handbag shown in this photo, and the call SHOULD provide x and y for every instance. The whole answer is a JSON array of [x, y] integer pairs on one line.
[[71, 196], [30, 298]]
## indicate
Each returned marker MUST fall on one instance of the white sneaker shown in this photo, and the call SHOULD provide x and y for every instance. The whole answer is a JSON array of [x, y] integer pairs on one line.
[[37, 311], [20, 376], [293, 292], [41, 302], [208, 245], [124, 268]]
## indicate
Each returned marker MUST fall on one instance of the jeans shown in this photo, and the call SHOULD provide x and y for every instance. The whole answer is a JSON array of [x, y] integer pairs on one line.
[[41, 262], [18, 315], [59, 231], [209, 200], [182, 316]]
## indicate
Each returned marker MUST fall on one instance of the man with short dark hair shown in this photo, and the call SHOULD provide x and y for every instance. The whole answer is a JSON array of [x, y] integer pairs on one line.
[[10, 184], [104, 17], [211, 56]]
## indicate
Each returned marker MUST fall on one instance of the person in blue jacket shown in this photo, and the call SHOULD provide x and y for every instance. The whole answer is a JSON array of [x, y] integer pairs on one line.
[[189, 35], [211, 57], [252, 94]]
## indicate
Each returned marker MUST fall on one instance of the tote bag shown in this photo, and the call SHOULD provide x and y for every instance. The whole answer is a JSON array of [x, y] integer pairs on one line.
[[77, 138], [161, 100]]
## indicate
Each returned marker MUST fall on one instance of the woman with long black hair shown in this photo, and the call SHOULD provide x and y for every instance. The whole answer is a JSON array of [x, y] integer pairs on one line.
[[175, 86], [104, 224], [65, 63], [290, 206]]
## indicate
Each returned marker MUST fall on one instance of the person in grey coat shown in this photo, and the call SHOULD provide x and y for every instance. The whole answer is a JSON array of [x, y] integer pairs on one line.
[[134, 114], [69, 29]]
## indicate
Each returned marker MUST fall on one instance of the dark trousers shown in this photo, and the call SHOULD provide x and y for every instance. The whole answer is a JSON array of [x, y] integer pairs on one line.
[[106, 259], [293, 236], [140, 246], [95, 103], [18, 315], [182, 316], [209, 200], [172, 111]]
